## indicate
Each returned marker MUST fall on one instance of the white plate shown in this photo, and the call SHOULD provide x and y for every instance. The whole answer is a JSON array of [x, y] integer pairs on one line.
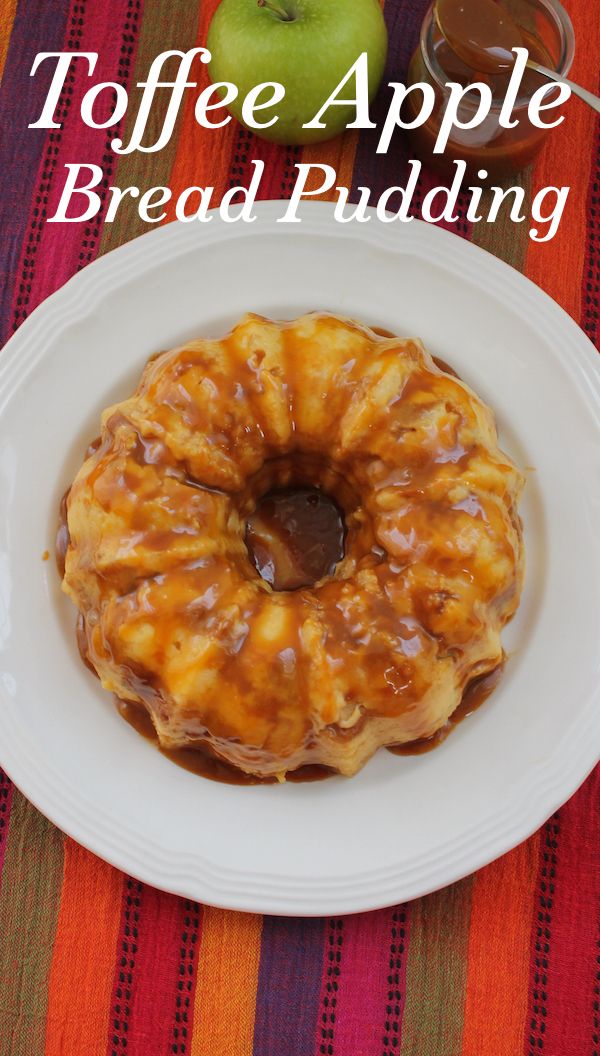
[[403, 826]]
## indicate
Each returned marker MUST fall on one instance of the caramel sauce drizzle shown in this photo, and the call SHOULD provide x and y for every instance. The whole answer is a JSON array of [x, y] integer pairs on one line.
[[476, 693], [204, 762], [200, 760], [204, 587]]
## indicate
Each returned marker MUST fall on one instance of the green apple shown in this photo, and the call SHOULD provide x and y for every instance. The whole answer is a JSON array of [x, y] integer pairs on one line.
[[308, 46]]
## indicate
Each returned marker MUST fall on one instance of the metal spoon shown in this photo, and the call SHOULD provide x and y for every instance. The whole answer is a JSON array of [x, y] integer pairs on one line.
[[483, 34]]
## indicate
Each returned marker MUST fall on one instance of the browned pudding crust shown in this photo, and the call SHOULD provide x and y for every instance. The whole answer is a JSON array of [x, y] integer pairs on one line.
[[175, 613]]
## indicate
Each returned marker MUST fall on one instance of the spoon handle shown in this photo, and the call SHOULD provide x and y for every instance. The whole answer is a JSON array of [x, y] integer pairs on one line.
[[588, 97]]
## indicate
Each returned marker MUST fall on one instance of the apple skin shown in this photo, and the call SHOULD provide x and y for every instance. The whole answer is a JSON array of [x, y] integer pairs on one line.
[[309, 56]]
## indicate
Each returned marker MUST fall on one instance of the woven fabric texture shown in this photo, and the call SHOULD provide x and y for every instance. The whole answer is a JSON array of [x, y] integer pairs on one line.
[[94, 963]]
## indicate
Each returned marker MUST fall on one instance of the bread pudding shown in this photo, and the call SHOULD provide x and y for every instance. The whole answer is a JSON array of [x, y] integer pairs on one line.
[[379, 650]]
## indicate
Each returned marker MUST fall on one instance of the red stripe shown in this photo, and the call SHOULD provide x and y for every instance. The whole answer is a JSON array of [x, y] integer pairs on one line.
[[279, 175], [590, 307], [573, 931], [182, 1019], [160, 975], [565, 963], [152, 1004], [126, 973], [52, 252], [542, 939]]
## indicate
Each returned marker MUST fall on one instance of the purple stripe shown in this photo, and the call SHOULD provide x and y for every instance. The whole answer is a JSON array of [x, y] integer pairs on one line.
[[38, 26], [379, 171], [289, 986], [6, 795]]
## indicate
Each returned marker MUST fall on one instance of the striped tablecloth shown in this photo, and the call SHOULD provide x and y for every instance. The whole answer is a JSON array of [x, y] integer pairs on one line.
[[93, 962]]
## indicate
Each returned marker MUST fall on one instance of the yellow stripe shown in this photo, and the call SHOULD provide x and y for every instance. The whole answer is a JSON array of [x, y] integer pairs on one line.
[[7, 17], [225, 999]]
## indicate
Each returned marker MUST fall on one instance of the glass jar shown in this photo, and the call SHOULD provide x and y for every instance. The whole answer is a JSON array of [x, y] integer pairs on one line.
[[548, 34]]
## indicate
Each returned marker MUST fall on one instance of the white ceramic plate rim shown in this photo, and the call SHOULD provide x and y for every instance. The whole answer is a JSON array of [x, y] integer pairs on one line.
[[527, 804]]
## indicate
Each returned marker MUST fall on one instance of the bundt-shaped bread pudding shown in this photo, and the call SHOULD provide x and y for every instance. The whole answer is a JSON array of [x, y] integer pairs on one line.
[[378, 651]]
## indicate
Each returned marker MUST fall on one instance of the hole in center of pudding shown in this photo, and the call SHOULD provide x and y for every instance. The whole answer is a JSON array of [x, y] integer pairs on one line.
[[295, 536]]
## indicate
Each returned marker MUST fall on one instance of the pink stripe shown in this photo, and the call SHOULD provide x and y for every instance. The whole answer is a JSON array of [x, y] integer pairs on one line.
[[362, 1003], [111, 30], [6, 797]]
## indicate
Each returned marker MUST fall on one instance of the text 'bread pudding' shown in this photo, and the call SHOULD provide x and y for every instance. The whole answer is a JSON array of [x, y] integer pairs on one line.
[[379, 650]]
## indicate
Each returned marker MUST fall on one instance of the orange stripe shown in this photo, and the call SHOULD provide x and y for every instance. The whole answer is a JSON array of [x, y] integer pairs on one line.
[[499, 954], [7, 17], [203, 154], [84, 956], [225, 1000], [557, 265]]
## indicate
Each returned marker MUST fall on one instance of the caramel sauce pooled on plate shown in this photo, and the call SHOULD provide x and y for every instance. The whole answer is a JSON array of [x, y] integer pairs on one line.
[[205, 763]]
